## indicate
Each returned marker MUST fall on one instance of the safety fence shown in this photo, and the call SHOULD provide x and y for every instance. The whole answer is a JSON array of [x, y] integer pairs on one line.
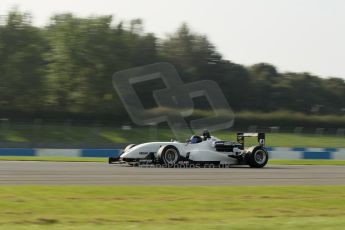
[[306, 153], [274, 152]]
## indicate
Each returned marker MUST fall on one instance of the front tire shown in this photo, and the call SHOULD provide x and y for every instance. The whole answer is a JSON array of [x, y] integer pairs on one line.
[[257, 158], [168, 155]]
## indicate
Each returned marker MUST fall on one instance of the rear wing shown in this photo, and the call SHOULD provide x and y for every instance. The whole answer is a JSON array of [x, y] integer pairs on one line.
[[241, 136]]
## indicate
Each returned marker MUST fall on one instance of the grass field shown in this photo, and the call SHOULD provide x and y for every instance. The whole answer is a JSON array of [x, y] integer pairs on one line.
[[297, 140], [54, 159], [110, 207], [99, 135]]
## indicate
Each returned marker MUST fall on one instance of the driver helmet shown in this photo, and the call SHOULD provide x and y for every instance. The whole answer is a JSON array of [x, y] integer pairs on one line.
[[195, 139], [206, 134]]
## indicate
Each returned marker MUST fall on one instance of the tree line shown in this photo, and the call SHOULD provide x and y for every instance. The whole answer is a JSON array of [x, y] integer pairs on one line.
[[66, 67]]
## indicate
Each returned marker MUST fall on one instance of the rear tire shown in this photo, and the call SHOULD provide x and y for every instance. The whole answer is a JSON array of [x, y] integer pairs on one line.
[[257, 158], [168, 155]]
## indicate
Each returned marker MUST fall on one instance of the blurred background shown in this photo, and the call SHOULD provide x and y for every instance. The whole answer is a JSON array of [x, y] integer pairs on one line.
[[56, 89]]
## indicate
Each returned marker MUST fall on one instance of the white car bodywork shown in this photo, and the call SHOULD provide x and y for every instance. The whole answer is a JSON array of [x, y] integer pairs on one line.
[[206, 150], [198, 152]]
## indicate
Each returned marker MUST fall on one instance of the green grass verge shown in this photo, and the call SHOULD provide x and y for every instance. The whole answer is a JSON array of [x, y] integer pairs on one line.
[[84, 134], [299, 140], [169, 207], [292, 140], [57, 159]]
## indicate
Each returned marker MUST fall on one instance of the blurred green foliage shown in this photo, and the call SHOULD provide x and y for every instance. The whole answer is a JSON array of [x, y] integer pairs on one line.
[[66, 68]]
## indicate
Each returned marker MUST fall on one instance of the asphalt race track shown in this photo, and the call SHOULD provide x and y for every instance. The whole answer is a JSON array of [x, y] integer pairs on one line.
[[56, 173]]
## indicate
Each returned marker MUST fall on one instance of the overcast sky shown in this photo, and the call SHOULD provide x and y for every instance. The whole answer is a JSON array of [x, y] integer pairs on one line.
[[294, 35]]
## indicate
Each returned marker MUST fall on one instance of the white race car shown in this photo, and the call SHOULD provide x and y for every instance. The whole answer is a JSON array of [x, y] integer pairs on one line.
[[199, 150]]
